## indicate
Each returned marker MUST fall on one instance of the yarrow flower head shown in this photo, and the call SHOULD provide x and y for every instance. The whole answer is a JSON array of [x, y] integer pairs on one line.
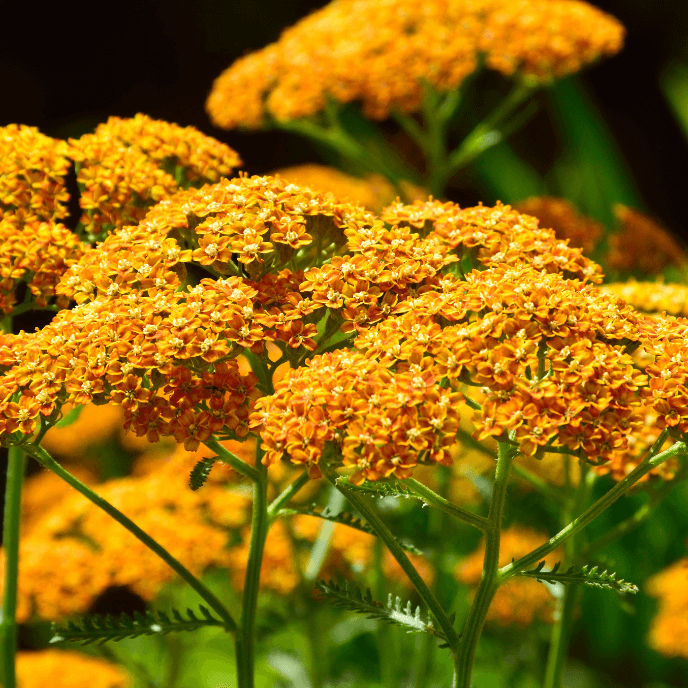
[[128, 165], [382, 54]]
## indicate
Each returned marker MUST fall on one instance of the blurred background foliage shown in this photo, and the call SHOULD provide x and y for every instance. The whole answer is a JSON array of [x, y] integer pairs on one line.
[[616, 134]]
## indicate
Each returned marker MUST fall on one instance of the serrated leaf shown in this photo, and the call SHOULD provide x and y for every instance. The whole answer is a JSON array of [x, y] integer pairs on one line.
[[200, 472], [352, 598], [101, 628], [71, 417], [384, 488], [585, 576], [346, 518]]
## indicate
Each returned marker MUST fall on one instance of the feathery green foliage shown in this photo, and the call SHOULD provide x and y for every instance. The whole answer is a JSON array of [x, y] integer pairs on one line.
[[352, 598], [106, 627], [585, 576], [200, 472]]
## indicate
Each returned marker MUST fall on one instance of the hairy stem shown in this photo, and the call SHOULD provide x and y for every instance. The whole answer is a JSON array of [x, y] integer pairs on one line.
[[490, 579], [47, 461], [16, 462], [245, 637], [363, 508]]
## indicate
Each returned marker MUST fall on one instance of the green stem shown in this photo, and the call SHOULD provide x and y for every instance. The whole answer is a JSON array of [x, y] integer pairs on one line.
[[594, 511], [365, 510], [322, 543], [487, 133], [490, 579], [47, 461], [566, 605], [16, 462], [433, 499], [245, 637], [234, 461], [284, 497], [345, 145], [561, 633], [636, 519], [535, 481]]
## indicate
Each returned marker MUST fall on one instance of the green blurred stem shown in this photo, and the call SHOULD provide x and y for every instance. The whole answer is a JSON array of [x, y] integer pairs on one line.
[[433, 499], [487, 133], [566, 605], [321, 545], [16, 462], [636, 519], [649, 462], [370, 515], [284, 497], [47, 461], [234, 461], [337, 138], [490, 581], [246, 633]]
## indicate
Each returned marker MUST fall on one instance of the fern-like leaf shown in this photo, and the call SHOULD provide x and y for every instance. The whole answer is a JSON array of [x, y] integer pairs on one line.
[[200, 472], [352, 598], [101, 628], [346, 518], [385, 488], [585, 576]]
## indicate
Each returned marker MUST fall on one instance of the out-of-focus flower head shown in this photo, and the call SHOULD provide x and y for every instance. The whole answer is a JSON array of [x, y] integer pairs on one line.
[[68, 669], [652, 297], [522, 600], [73, 552], [128, 165], [563, 217], [382, 54], [669, 630], [642, 244], [374, 192]]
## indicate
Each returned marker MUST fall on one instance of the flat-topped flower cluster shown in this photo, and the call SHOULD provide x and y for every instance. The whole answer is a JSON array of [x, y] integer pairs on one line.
[[382, 54]]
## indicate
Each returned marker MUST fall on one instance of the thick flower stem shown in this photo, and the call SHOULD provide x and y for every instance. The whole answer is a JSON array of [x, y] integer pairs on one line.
[[260, 522], [16, 462], [381, 530], [47, 461], [490, 579]]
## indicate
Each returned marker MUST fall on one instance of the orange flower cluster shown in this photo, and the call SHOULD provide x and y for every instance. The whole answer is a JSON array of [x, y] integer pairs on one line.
[[642, 244], [128, 165], [68, 669], [669, 630], [563, 217], [166, 353], [382, 53], [32, 175], [36, 248], [549, 353], [520, 601], [373, 192]]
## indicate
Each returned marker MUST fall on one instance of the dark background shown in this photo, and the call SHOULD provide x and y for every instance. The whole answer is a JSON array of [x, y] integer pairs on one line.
[[65, 67]]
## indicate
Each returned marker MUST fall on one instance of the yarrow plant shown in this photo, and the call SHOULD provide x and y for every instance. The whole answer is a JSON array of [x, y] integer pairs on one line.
[[315, 360]]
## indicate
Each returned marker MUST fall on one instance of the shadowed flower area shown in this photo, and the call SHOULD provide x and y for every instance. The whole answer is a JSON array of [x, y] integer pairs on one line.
[[381, 54]]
